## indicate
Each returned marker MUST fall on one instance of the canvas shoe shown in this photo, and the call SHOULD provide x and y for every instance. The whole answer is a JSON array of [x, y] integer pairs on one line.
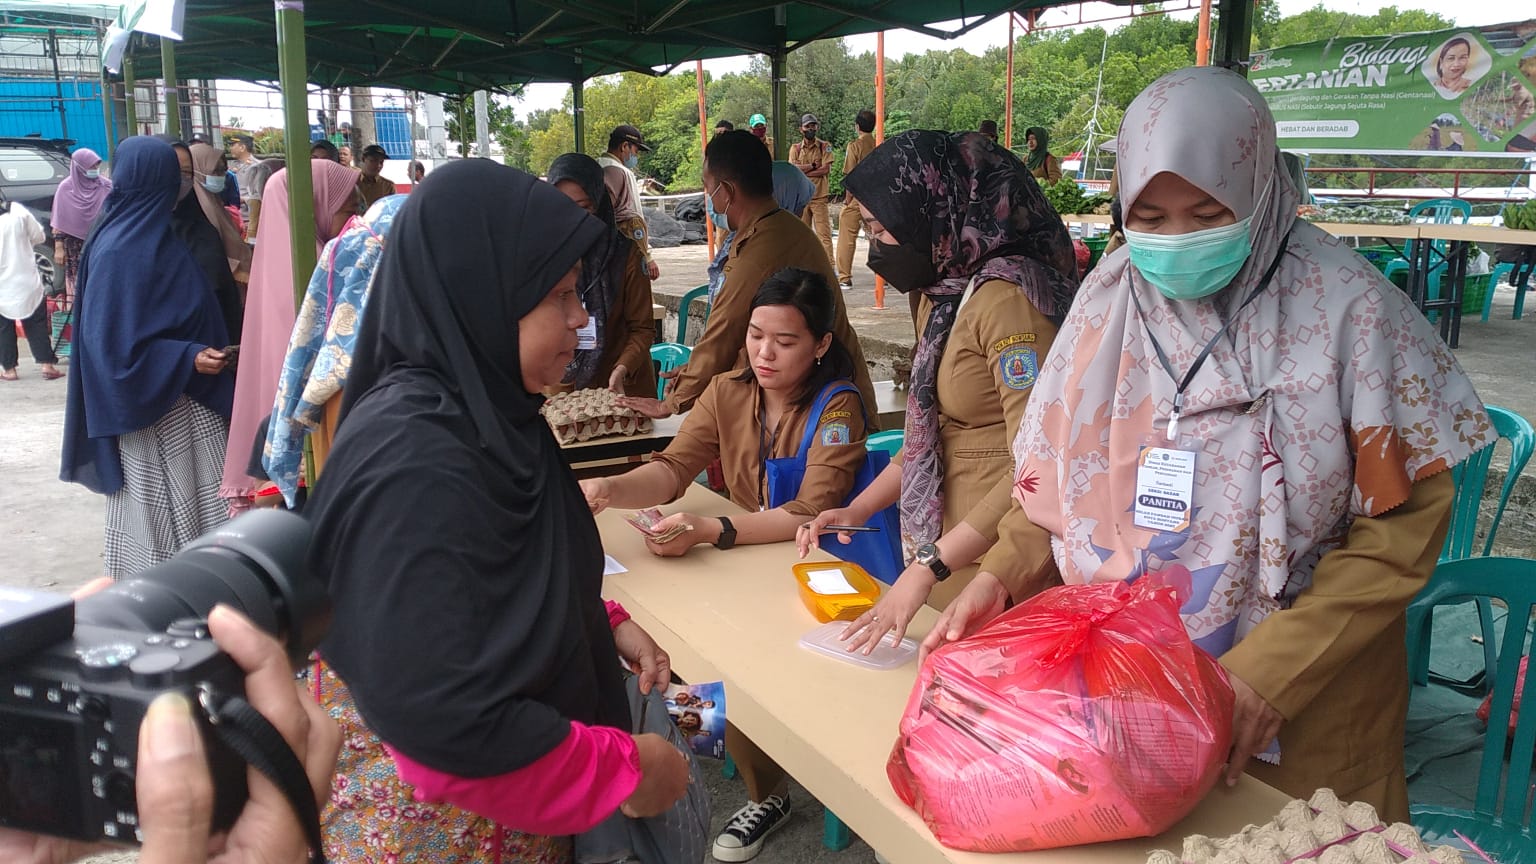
[[743, 836]]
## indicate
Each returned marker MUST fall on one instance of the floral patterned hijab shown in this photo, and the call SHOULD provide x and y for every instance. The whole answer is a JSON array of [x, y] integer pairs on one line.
[[973, 207], [1325, 401]]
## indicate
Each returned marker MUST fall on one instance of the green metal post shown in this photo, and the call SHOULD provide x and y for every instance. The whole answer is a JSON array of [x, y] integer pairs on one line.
[[130, 96], [107, 118], [578, 105], [1234, 34], [779, 85], [301, 183], [168, 73]]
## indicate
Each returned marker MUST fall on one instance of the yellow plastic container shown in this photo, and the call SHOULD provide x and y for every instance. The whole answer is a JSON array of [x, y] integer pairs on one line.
[[836, 590]]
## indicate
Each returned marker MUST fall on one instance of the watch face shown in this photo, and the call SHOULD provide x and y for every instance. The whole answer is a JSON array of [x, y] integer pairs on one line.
[[927, 553]]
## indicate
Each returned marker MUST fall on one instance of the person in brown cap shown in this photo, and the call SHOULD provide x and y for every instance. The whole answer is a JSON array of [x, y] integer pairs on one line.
[[989, 129], [814, 157], [373, 184], [625, 144]]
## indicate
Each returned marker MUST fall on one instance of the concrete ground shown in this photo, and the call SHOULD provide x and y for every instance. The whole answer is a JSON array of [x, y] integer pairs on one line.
[[51, 532]]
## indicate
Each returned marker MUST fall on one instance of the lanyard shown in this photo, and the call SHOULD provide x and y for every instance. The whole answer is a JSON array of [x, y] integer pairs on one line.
[[1162, 356], [765, 444]]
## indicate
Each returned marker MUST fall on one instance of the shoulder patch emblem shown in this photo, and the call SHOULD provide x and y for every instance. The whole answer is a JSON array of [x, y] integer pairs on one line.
[[834, 433], [1020, 367], [1016, 339], [834, 415]]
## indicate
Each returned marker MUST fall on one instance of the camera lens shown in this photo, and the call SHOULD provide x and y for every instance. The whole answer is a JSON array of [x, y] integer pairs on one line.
[[255, 563]]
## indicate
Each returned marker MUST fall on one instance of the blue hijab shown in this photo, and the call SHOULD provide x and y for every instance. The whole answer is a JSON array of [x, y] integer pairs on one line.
[[143, 311]]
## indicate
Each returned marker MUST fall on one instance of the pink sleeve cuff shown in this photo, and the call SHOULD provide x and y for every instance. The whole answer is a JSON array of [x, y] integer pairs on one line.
[[616, 614], [568, 790]]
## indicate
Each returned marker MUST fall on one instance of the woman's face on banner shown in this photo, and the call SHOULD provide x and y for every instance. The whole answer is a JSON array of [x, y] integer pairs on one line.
[[1454, 61]]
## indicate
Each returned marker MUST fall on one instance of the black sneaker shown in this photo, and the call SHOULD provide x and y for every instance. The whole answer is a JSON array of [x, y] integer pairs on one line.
[[743, 836]]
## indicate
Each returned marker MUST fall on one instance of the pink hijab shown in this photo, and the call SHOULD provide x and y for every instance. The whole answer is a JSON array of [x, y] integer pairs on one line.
[[79, 198], [269, 312], [1328, 398]]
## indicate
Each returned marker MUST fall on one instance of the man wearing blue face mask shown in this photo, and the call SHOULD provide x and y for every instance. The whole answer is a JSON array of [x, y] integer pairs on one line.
[[624, 148]]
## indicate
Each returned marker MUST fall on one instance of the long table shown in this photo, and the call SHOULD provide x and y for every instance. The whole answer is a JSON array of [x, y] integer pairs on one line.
[[736, 617], [624, 448]]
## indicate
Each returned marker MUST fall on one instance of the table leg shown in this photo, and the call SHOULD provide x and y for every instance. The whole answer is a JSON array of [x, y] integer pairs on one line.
[[1456, 271], [1418, 272], [834, 834]]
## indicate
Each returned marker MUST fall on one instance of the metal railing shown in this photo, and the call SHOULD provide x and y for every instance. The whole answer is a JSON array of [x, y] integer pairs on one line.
[[1455, 188]]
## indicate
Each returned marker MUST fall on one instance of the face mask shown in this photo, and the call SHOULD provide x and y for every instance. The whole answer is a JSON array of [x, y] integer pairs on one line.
[[186, 188], [902, 266], [214, 184], [93, 173], [1194, 265], [632, 161], [760, 131], [716, 216], [810, 134]]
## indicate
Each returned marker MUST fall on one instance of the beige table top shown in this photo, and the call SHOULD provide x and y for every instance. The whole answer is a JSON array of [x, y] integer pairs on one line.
[[737, 617], [658, 311], [891, 404], [1391, 232], [1478, 234]]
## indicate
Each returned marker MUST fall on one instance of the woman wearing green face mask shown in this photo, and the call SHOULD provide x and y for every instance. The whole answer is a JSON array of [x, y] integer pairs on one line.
[[1303, 415]]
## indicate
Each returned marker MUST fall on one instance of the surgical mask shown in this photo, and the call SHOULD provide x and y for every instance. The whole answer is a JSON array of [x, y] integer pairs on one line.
[[186, 188], [632, 161], [1194, 265], [904, 267], [214, 183], [93, 173], [810, 134], [716, 216]]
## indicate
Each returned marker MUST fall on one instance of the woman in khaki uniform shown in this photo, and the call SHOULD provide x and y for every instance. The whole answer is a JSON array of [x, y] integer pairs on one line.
[[744, 417], [958, 219], [614, 349]]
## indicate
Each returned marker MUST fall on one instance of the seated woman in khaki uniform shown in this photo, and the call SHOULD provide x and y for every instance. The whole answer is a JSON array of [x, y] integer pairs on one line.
[[744, 417], [1242, 408], [958, 219]]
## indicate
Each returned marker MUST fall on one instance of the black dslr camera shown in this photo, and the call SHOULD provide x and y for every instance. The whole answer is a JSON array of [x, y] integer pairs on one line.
[[77, 678]]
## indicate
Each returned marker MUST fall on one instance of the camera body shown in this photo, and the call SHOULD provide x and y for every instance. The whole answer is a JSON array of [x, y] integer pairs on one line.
[[76, 679]]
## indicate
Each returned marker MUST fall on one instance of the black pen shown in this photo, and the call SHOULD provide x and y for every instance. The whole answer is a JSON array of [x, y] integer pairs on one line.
[[852, 529]]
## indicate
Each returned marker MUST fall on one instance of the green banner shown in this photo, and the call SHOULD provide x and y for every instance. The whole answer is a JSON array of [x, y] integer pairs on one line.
[[1468, 90]]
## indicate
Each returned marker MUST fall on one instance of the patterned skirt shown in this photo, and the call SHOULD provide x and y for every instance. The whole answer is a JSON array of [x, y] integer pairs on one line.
[[374, 818], [170, 494]]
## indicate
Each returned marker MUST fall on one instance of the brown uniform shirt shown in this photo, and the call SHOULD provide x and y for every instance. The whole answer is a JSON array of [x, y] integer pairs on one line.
[[627, 337], [1049, 170], [858, 148], [726, 423], [809, 156], [761, 249], [995, 351], [374, 189]]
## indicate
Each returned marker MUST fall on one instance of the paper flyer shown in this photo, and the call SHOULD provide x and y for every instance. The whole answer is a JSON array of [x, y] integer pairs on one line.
[[699, 711]]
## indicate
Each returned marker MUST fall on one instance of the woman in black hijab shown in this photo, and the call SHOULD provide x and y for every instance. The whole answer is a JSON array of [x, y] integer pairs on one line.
[[614, 288], [190, 222], [470, 647]]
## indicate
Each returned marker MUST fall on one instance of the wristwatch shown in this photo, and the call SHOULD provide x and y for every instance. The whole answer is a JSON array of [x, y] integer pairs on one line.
[[727, 538], [928, 554]]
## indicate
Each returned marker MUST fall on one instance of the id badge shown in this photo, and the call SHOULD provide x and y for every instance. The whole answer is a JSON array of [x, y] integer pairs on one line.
[[1165, 488], [586, 337]]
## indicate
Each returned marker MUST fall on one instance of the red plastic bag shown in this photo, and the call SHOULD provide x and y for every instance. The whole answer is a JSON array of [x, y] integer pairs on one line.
[[1484, 709], [1083, 715]]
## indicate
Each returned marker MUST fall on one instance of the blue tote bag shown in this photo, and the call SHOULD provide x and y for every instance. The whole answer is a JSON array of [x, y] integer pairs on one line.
[[879, 552]]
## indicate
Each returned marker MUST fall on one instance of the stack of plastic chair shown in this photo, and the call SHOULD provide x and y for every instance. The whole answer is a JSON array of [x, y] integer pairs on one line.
[[890, 442], [1436, 211], [1470, 478], [669, 356], [682, 312]]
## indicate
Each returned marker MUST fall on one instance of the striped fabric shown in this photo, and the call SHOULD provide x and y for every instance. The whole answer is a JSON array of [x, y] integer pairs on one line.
[[170, 493]]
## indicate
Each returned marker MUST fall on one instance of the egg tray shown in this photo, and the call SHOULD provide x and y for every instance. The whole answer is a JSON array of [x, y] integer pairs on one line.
[[583, 415], [1322, 830]]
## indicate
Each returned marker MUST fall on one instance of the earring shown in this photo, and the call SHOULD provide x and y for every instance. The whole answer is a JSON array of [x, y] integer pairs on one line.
[[818, 360]]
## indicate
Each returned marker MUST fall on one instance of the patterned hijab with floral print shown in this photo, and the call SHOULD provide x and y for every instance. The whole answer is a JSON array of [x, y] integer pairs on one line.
[[972, 207], [1326, 398]]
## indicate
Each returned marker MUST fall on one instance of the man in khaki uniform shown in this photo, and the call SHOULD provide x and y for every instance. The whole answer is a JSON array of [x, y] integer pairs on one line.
[[759, 125], [624, 148], [813, 156], [738, 178], [850, 222]]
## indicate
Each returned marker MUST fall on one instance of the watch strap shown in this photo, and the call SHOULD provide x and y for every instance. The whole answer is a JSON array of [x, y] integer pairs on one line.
[[727, 537]]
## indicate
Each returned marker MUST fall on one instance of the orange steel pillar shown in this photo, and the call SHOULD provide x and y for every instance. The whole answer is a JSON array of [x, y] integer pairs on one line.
[[879, 133], [1203, 36], [709, 225]]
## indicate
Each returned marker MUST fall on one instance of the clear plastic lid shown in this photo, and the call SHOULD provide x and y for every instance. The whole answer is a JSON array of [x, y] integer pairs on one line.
[[889, 654]]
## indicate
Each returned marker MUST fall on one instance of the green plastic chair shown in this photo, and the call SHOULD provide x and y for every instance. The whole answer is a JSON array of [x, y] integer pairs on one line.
[[682, 311], [889, 442], [1436, 211], [1501, 828], [1480, 290], [1471, 477], [669, 356]]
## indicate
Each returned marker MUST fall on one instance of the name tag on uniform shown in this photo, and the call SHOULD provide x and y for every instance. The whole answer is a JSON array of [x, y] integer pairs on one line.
[[586, 337], [1165, 489]]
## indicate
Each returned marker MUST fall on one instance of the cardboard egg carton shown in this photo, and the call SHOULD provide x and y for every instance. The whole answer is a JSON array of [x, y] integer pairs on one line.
[[582, 415], [1322, 830]]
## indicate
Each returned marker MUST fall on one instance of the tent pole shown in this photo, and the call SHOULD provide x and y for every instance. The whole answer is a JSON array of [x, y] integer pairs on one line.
[[879, 135], [578, 105], [107, 113], [301, 184], [1234, 34], [483, 124], [779, 84], [168, 74], [698, 76], [1008, 91], [1203, 36], [130, 96]]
